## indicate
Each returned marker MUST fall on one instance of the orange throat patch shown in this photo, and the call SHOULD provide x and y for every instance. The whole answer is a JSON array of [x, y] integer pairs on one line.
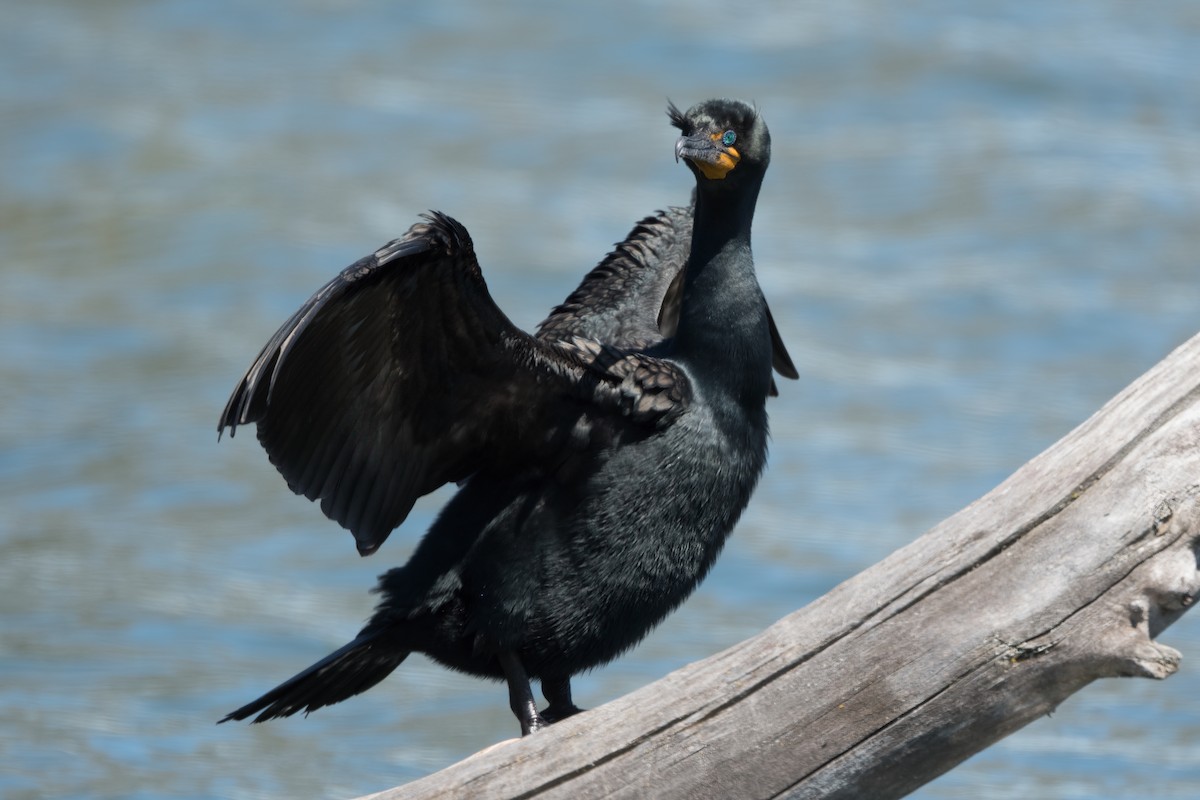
[[725, 162]]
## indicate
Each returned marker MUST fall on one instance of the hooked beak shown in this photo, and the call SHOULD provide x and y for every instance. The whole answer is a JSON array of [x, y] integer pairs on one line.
[[710, 157], [697, 147]]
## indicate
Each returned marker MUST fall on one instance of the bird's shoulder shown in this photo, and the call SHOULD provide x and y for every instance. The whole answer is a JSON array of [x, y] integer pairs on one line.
[[638, 385]]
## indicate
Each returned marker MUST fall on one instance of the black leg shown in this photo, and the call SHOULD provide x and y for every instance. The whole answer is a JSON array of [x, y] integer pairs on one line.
[[520, 696], [558, 693]]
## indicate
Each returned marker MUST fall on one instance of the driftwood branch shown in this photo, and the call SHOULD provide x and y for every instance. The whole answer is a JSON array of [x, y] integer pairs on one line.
[[1063, 574]]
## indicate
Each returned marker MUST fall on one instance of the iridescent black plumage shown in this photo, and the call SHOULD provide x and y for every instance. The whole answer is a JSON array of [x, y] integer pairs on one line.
[[602, 462]]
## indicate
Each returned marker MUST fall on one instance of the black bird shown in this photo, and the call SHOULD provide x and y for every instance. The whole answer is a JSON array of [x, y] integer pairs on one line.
[[602, 463]]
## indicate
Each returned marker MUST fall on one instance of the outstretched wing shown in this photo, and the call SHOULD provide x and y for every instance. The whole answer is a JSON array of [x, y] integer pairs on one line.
[[621, 300], [631, 299], [401, 374]]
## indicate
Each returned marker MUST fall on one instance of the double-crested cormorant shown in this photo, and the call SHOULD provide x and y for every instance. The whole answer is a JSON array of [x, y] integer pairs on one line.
[[602, 462]]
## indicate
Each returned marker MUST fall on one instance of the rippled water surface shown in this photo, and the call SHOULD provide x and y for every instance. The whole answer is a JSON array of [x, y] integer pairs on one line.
[[981, 222]]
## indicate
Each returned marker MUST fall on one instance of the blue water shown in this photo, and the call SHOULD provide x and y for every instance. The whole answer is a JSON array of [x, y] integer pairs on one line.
[[980, 223]]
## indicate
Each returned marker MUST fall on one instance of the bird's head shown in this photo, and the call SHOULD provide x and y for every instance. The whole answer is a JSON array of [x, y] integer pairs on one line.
[[722, 139]]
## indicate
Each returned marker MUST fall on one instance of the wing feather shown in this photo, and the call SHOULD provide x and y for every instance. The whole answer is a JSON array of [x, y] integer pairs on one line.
[[401, 374]]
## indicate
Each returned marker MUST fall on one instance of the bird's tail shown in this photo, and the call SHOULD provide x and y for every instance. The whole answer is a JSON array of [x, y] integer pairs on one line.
[[343, 673]]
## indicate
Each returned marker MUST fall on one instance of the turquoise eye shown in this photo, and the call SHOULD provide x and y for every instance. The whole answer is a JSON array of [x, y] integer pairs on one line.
[[729, 138]]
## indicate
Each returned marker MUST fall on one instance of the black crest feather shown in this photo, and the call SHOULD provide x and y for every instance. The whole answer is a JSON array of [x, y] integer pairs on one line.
[[677, 117]]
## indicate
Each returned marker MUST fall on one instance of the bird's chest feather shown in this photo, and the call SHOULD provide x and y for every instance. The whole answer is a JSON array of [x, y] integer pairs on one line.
[[598, 563]]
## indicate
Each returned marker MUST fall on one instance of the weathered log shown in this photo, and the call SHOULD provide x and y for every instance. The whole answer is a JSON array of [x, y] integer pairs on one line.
[[1063, 574]]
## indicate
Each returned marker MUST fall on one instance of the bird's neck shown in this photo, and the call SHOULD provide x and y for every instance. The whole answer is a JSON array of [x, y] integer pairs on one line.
[[723, 335]]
